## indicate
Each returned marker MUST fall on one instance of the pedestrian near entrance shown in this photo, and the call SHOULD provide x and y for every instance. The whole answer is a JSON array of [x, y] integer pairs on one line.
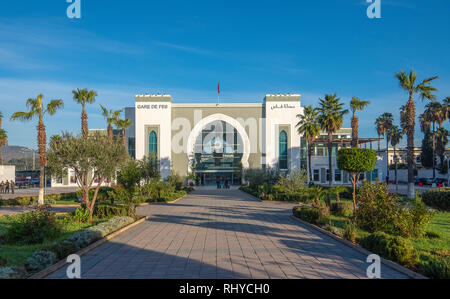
[[7, 187], [13, 185]]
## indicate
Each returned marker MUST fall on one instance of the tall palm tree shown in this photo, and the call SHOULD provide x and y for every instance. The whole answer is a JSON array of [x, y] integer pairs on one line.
[[356, 105], [395, 135], [446, 108], [385, 121], [1, 119], [3, 142], [83, 97], [425, 90], [122, 125], [36, 108], [433, 115], [403, 119], [441, 138], [111, 117], [331, 117], [380, 131], [309, 128]]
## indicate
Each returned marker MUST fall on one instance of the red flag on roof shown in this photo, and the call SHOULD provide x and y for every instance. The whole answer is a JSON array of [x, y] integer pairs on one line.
[[219, 88]]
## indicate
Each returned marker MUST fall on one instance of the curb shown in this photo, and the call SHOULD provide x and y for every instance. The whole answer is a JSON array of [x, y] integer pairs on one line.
[[411, 274], [85, 250]]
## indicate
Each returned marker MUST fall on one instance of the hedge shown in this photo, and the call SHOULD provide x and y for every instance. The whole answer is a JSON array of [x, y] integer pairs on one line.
[[110, 210], [390, 247], [438, 199]]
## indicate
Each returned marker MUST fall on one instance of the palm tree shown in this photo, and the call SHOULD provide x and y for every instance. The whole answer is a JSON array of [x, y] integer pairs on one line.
[[309, 128], [380, 130], [123, 124], [3, 142], [1, 119], [83, 97], [37, 109], [111, 117], [441, 138], [385, 121], [403, 119], [331, 118], [425, 90], [395, 135], [446, 108], [356, 105]]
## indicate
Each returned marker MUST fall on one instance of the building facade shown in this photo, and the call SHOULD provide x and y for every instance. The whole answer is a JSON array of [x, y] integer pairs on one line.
[[213, 141]]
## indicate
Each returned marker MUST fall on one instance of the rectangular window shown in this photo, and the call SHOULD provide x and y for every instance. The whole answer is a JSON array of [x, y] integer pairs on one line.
[[316, 175], [337, 175], [328, 175], [375, 174]]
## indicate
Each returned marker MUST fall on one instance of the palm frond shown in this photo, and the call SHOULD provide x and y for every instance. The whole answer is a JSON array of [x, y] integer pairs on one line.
[[54, 106]]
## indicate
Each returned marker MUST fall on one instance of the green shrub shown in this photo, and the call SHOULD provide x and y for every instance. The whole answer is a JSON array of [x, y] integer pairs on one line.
[[438, 199], [11, 273], [308, 214], [3, 262], [413, 221], [393, 248], [85, 237], [342, 209], [62, 249], [436, 267], [82, 215], [40, 260], [350, 231], [106, 210], [33, 227]]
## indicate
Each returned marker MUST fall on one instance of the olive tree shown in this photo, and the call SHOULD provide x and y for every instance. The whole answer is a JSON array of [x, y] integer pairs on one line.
[[356, 161], [94, 154]]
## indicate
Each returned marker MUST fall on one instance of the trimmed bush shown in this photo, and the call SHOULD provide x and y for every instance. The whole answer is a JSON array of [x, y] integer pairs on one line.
[[393, 248], [436, 268], [308, 214], [40, 260], [438, 199], [62, 250], [83, 238], [350, 230], [342, 209], [106, 210]]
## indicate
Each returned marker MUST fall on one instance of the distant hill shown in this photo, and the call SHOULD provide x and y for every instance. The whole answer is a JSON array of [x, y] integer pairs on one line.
[[20, 156]]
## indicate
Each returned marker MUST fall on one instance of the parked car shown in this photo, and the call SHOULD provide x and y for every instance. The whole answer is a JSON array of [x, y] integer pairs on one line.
[[440, 182], [422, 181]]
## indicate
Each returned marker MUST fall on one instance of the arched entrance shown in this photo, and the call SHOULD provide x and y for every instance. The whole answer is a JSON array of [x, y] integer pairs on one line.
[[219, 149]]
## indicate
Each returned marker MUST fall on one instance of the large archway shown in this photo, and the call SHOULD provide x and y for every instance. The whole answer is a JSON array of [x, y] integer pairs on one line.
[[218, 146]]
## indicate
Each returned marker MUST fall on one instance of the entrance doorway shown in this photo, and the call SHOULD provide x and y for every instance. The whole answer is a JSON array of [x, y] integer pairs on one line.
[[221, 178]]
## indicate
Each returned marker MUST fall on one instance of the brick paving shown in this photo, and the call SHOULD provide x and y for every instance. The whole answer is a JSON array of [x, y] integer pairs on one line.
[[214, 234]]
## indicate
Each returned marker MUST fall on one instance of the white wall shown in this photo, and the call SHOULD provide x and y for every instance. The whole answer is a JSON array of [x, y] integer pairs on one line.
[[282, 111], [155, 111], [7, 173]]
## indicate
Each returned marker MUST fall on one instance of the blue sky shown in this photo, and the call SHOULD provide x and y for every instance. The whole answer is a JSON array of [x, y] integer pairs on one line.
[[183, 48]]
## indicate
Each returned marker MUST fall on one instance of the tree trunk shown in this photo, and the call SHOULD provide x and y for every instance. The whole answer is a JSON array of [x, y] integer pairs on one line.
[[387, 160], [84, 123], [110, 132], [434, 151], [311, 179], [396, 169], [354, 182], [1, 156], [379, 142], [124, 139], [355, 131], [42, 143], [94, 198], [411, 114]]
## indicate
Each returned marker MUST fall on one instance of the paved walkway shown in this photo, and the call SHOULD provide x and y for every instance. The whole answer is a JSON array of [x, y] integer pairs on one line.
[[223, 234]]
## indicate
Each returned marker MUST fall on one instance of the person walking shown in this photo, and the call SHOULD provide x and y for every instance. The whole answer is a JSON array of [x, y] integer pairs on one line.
[[13, 185], [7, 187], [2, 187]]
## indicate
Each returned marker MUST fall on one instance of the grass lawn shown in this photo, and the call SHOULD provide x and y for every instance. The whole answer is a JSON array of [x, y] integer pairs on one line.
[[17, 255], [67, 202], [425, 246]]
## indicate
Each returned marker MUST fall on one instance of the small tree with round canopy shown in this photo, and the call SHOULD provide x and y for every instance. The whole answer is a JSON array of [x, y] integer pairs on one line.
[[356, 161]]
